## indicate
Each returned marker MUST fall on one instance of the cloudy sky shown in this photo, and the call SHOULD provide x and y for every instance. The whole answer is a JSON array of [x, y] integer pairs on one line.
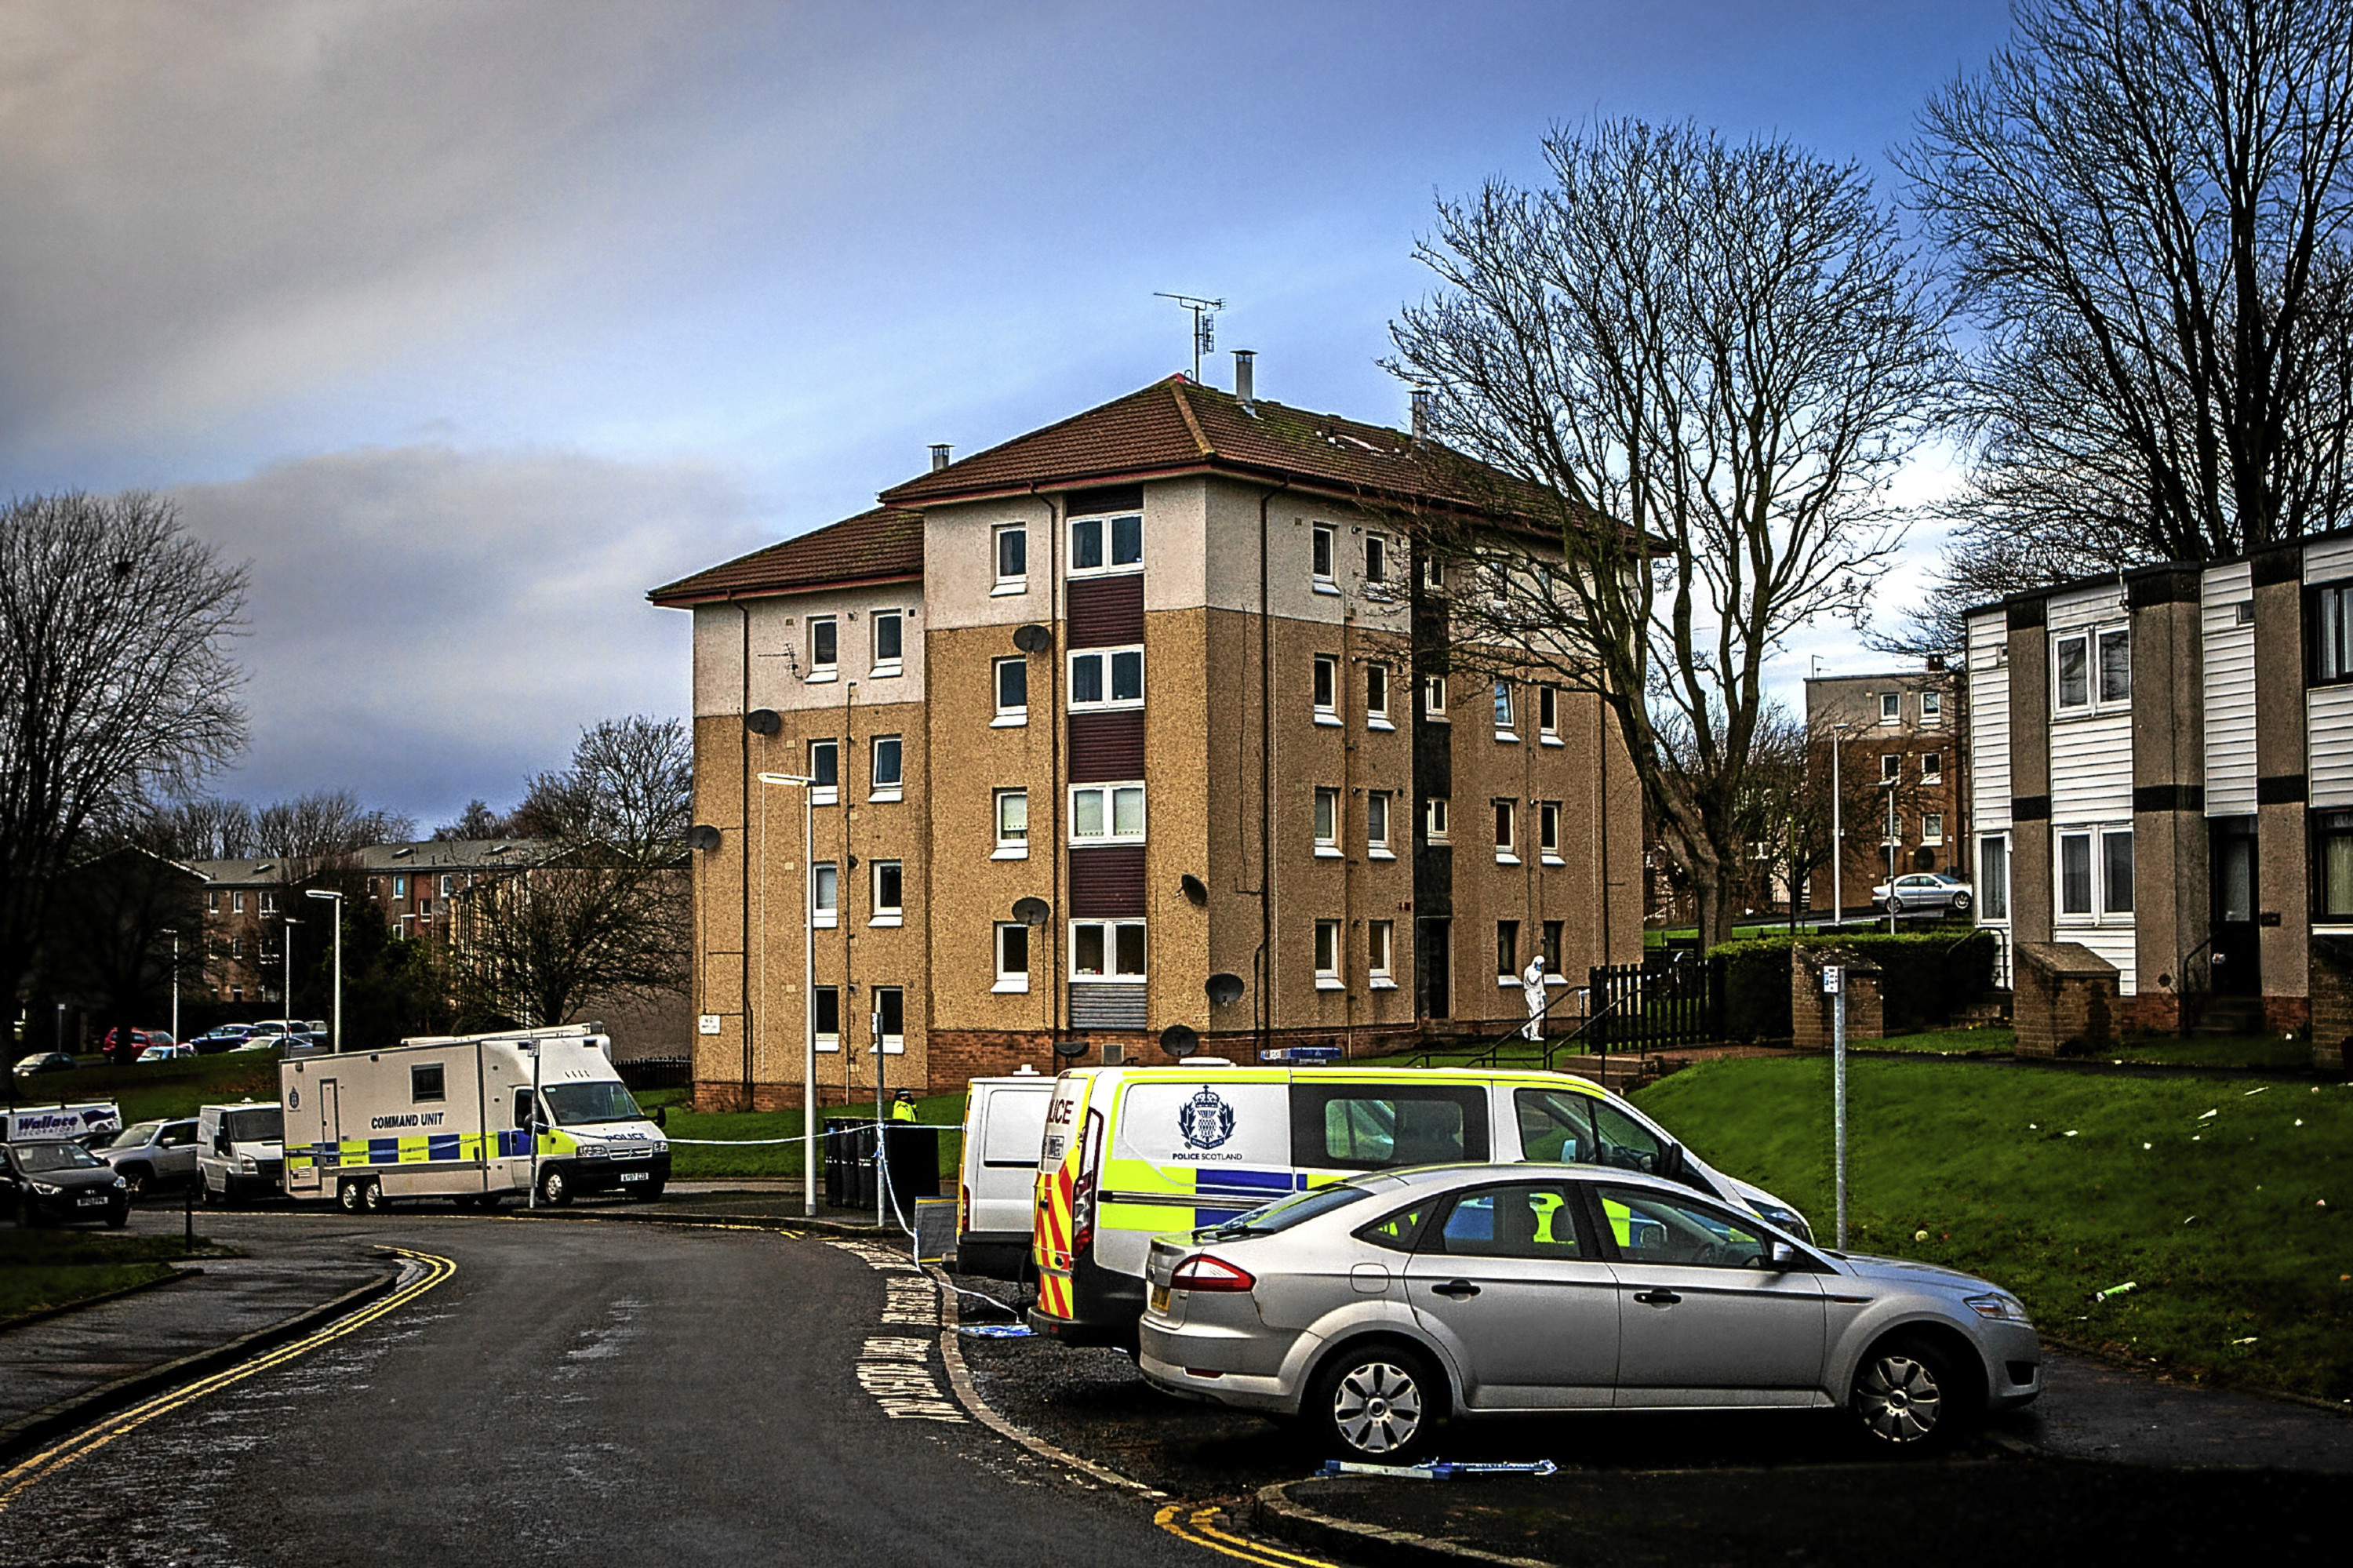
[[465, 324]]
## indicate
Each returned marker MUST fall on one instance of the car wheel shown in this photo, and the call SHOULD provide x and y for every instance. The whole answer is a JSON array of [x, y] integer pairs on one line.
[[1960, 903], [1380, 1404], [553, 1189], [372, 1196], [1891, 906], [138, 1177], [1908, 1396], [347, 1197]]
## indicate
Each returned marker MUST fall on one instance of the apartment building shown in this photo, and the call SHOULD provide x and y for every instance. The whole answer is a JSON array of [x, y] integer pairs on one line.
[[2162, 762], [1899, 736], [1147, 708], [411, 885], [244, 903]]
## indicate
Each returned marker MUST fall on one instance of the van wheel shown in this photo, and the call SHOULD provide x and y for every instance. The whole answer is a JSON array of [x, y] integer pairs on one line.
[[1381, 1403], [372, 1196], [553, 1189], [347, 1197], [1909, 1397]]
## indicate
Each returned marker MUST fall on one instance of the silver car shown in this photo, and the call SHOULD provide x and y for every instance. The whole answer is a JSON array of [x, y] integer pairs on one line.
[[1377, 1308], [1924, 893], [150, 1154]]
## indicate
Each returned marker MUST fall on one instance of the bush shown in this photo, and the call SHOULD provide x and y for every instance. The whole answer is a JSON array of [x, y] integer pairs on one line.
[[1926, 978]]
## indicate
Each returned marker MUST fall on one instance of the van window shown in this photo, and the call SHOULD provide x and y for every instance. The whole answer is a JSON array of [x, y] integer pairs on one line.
[[1017, 1126], [1527, 1220], [264, 1124], [1625, 1142], [522, 1108], [1555, 1126], [424, 1084], [1372, 1126]]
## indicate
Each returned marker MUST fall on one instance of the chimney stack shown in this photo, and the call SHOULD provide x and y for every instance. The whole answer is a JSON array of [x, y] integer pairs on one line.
[[939, 450], [1420, 412], [1245, 382]]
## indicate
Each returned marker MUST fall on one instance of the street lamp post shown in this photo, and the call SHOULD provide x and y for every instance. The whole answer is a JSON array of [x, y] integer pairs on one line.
[[175, 981], [286, 924], [1894, 903], [808, 970], [336, 1038], [1838, 830]]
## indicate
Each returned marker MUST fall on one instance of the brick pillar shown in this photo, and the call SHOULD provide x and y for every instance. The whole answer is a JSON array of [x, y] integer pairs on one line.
[[1810, 1024], [2062, 1000], [2332, 1001]]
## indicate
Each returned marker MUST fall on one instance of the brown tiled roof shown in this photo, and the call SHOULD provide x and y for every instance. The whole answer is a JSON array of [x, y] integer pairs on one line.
[[885, 545], [1177, 426]]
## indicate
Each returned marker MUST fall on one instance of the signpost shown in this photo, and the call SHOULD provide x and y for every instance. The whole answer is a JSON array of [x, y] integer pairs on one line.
[[1834, 987]]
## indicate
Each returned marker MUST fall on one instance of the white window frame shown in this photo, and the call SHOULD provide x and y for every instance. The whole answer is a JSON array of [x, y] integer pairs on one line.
[[1324, 558], [1111, 976], [1891, 707], [1328, 938], [1932, 708], [1110, 792], [1010, 847], [1379, 823], [1433, 572], [1433, 699], [1508, 975], [1437, 826], [1890, 768], [1009, 717], [882, 669], [1932, 774], [2095, 837], [1377, 557], [892, 1044], [1507, 712], [1377, 714], [2096, 701], [1507, 830], [821, 794], [826, 1041], [1107, 521], [878, 791], [1380, 955], [1548, 715], [823, 915], [1548, 833], [1326, 822], [448, 887], [1011, 981], [886, 914], [1323, 689], [1019, 582], [1107, 703], [1932, 827], [830, 670]]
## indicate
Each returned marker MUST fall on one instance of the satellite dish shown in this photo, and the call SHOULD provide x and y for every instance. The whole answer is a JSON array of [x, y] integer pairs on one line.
[[763, 721], [1032, 911], [1032, 639], [1195, 890], [1224, 988], [1071, 1046], [1180, 1041], [702, 836]]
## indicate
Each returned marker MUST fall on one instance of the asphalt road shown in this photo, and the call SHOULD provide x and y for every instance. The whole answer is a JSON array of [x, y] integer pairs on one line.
[[587, 1393]]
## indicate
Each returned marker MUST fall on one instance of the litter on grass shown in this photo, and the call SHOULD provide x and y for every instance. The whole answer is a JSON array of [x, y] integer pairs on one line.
[[2071, 1132], [2250, 1094], [2114, 1290], [1438, 1469], [2248, 1341], [2215, 1112], [2148, 1146]]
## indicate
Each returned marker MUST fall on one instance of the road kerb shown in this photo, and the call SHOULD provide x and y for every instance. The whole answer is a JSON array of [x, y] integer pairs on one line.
[[1277, 1513]]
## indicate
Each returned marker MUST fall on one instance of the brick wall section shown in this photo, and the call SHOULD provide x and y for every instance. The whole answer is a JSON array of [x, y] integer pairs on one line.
[[2332, 1001], [2287, 1014], [1812, 1023], [2063, 1000]]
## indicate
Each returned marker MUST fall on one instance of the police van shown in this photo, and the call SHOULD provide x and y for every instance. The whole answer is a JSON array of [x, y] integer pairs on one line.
[[476, 1118], [1129, 1153]]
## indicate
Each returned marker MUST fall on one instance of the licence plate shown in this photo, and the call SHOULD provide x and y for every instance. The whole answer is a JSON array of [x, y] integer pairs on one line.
[[635, 1175], [1160, 1298], [92, 1202]]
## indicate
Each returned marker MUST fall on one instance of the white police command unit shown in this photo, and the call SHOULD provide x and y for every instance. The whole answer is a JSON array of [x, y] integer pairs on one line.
[[453, 1117]]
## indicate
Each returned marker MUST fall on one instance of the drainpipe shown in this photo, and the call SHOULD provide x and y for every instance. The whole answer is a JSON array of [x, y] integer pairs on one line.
[[744, 839], [1262, 963]]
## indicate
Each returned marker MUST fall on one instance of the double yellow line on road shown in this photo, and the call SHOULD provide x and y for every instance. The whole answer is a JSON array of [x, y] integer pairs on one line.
[[1197, 1527], [90, 1439]]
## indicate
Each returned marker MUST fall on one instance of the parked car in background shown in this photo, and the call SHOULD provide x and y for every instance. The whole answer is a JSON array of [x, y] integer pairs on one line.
[[150, 1154], [57, 1182], [141, 1040], [228, 1036], [44, 1061], [1924, 893], [1377, 1308], [166, 1054], [274, 1040]]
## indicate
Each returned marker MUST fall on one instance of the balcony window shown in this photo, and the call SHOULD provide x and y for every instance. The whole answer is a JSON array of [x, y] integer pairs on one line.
[[1107, 950], [1106, 544], [1103, 678], [1107, 815], [1012, 825]]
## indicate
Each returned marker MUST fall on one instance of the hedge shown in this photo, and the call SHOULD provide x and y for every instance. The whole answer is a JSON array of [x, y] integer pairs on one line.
[[1924, 979]]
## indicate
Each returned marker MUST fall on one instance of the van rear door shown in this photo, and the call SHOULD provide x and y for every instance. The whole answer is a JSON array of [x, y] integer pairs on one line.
[[1010, 1135]]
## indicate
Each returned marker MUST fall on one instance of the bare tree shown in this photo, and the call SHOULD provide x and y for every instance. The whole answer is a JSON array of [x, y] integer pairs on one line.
[[108, 938], [116, 684], [2147, 206], [1702, 364], [476, 821], [311, 829]]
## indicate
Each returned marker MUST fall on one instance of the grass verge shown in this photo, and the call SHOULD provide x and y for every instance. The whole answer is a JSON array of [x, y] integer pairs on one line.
[[40, 1270], [165, 1089], [2220, 1203]]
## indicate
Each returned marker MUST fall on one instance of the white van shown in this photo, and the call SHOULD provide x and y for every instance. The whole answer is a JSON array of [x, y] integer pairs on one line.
[[28, 1124], [241, 1151], [453, 1117], [1004, 1123], [1135, 1152]]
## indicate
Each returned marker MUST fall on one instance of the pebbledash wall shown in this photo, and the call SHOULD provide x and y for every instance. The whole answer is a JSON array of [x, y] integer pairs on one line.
[[2162, 771], [1216, 753]]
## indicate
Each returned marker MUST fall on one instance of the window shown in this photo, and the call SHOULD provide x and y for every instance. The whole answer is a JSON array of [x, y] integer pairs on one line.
[[2075, 874], [1433, 573], [1551, 949], [827, 1017], [1932, 768], [1504, 725], [891, 1019], [825, 650], [1377, 696], [2111, 894], [1507, 949], [1507, 832], [1012, 544], [448, 886], [886, 768], [1380, 940], [2332, 854], [890, 889], [400, 887], [824, 894], [1548, 712], [1107, 678], [1012, 959], [1891, 767], [1433, 820], [2077, 686], [1527, 1219], [1106, 544], [1369, 1127], [1679, 1232], [890, 630], [1319, 549], [1327, 821], [1327, 955], [424, 909], [1376, 824], [270, 904], [426, 1085], [1107, 815], [1012, 824], [1993, 879], [1548, 831], [1932, 828], [1891, 707], [1326, 689], [2072, 670], [2330, 618], [1893, 834], [1433, 698], [1555, 1126], [1376, 552], [2116, 872], [824, 767], [1932, 706], [1107, 950], [2115, 666], [211, 898], [1012, 693]]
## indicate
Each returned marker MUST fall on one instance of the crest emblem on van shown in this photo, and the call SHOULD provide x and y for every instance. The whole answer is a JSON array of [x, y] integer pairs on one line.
[[1206, 1120]]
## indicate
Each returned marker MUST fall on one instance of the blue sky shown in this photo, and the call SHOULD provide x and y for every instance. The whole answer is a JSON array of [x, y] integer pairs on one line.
[[466, 323]]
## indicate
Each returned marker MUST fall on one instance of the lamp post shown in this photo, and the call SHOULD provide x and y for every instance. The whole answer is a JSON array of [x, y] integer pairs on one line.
[[175, 934], [286, 924], [1894, 903], [806, 785], [1838, 830], [335, 1038]]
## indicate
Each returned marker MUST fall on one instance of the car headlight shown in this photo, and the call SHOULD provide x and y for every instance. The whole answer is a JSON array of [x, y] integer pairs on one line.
[[121, 1183], [47, 1190], [245, 1162], [1999, 1306]]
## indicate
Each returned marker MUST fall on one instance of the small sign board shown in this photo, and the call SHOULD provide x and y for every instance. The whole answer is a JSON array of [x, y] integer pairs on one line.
[[1834, 979], [1301, 1054], [708, 1023]]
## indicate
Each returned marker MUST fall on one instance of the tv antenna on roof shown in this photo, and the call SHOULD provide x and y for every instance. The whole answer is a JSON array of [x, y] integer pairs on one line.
[[1205, 325]]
